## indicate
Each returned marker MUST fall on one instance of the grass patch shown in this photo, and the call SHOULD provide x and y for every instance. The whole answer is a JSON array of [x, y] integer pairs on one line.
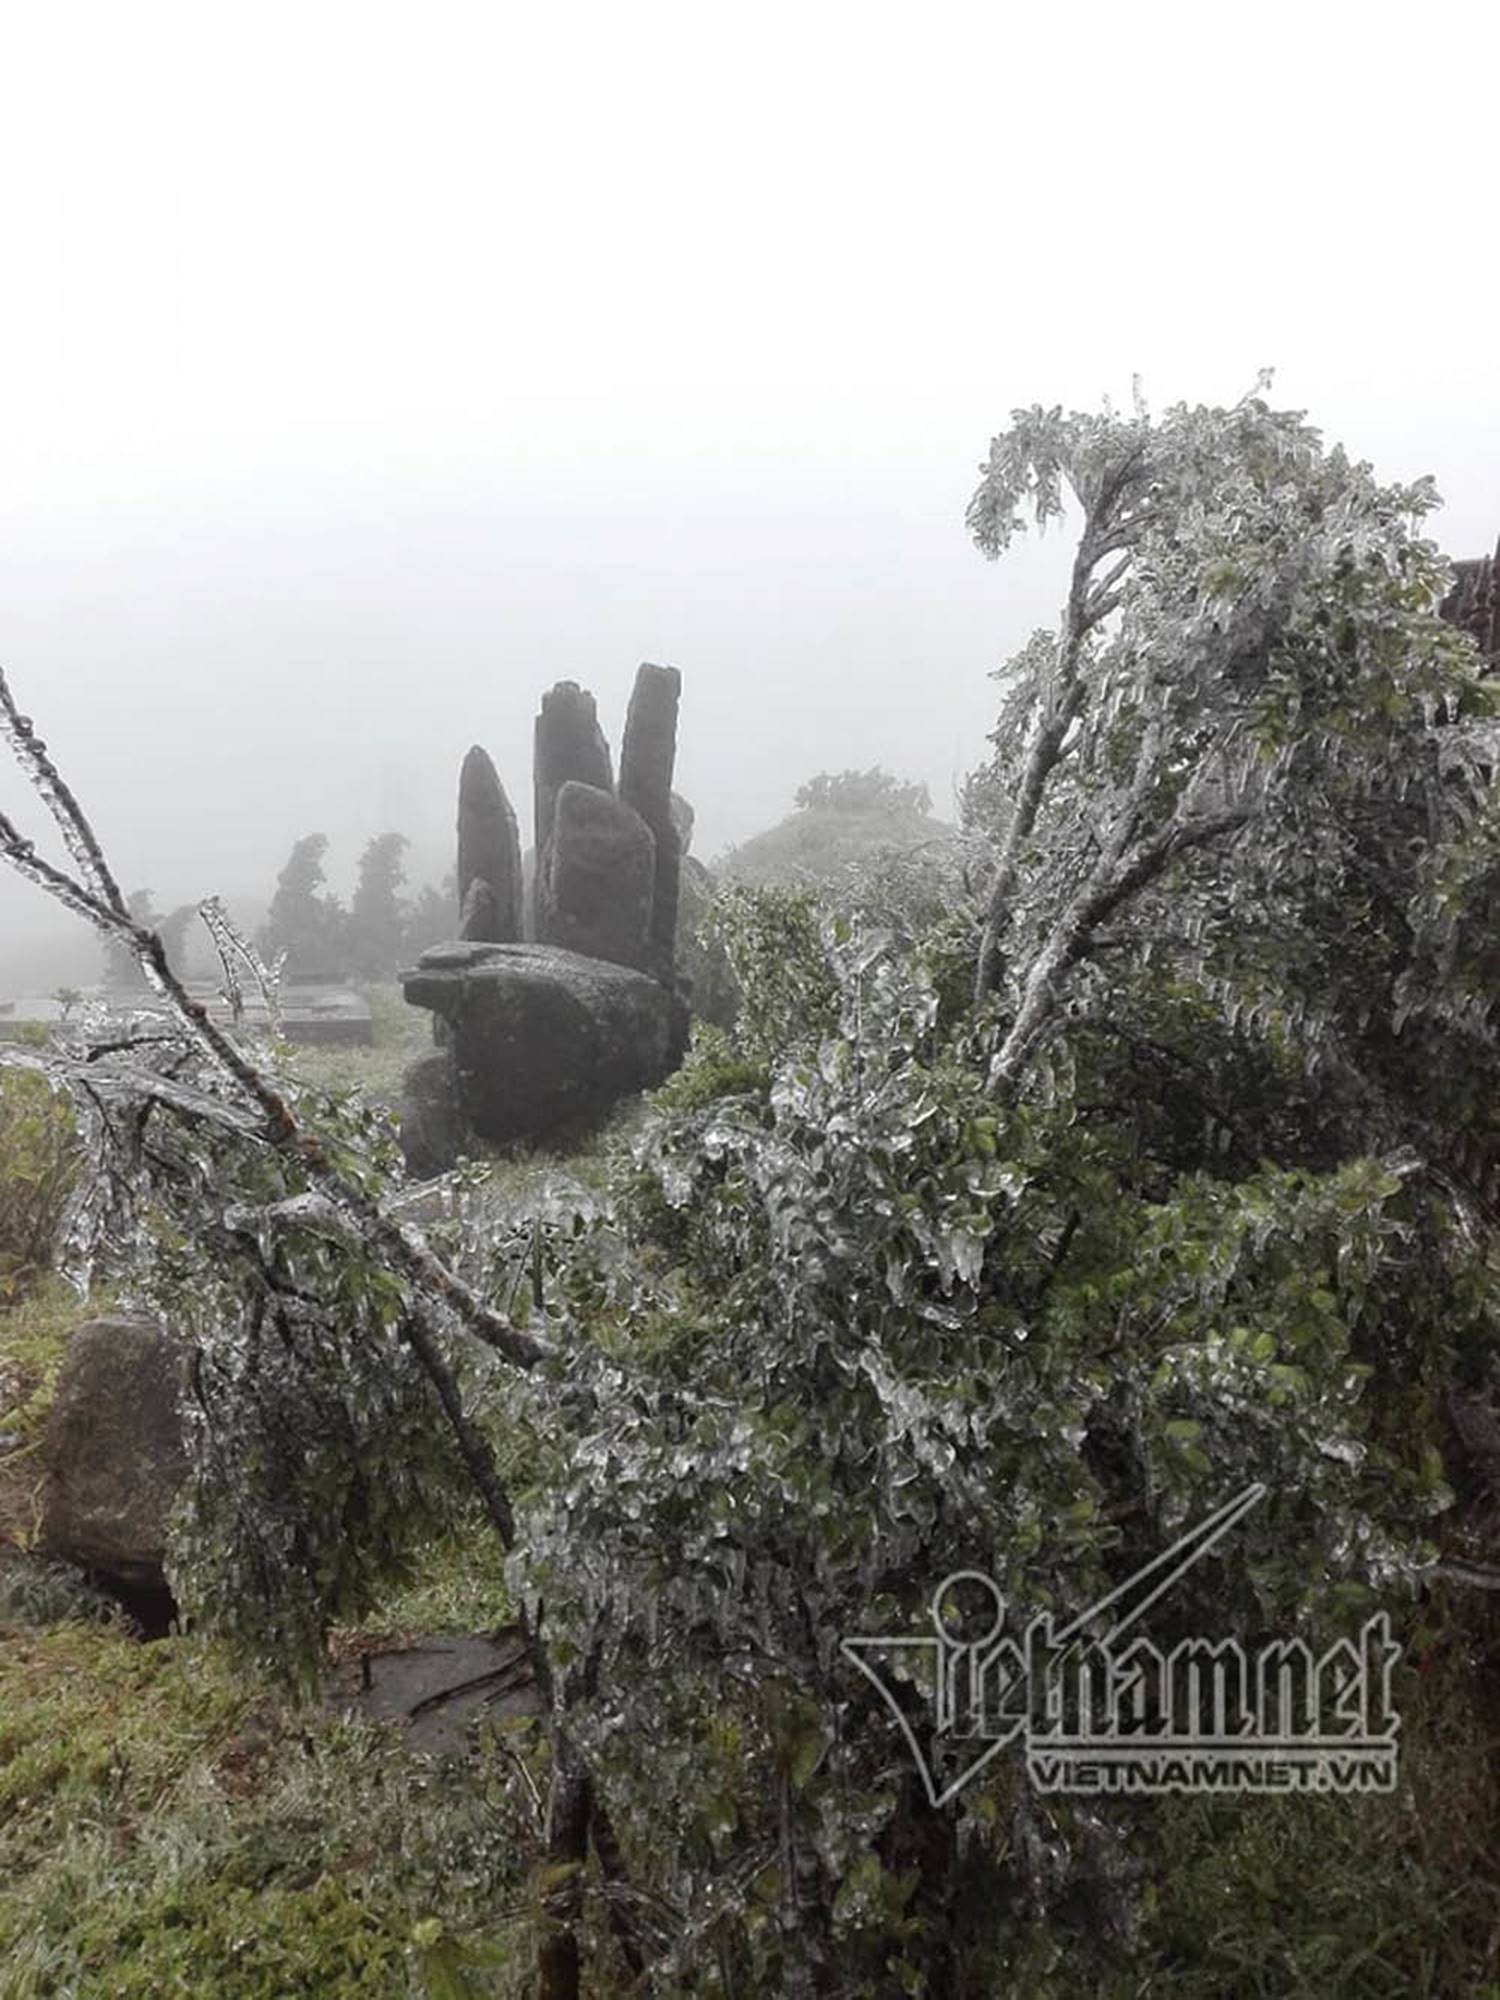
[[587, 1158], [459, 1586], [169, 1829], [1374, 1898], [401, 1034]]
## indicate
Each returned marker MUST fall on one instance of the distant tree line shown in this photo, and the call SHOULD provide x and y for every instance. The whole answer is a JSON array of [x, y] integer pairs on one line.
[[379, 931], [875, 790]]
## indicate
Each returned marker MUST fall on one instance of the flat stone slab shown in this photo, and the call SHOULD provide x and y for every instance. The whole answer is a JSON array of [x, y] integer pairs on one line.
[[543, 1042], [436, 1688], [309, 1013]]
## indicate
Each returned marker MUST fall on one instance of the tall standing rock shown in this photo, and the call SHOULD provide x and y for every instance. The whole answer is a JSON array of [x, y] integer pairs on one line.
[[569, 745], [480, 920], [570, 748], [539, 1038], [647, 757], [596, 897], [489, 852]]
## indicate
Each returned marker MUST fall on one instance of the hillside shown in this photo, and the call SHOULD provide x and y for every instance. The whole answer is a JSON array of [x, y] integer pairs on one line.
[[822, 845]]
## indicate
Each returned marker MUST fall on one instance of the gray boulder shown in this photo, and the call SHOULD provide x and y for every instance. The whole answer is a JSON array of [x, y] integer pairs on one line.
[[115, 1454], [433, 1130], [595, 896], [480, 919], [543, 1043], [683, 818]]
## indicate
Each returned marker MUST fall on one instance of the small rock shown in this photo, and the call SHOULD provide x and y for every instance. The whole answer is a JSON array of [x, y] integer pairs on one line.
[[433, 1130], [115, 1454]]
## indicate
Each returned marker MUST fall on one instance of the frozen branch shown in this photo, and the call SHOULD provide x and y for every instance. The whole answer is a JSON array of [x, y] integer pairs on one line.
[[273, 1119], [1477, 1576], [23, 857], [1091, 599], [78, 836], [231, 943], [1118, 876], [315, 1211]]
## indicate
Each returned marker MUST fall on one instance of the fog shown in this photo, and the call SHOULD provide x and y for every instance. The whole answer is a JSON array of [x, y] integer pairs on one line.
[[364, 371]]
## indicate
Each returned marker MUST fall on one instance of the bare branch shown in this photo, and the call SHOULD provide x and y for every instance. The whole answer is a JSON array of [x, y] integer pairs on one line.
[[473, 1448], [317, 1212], [1090, 601], [172, 1039], [1042, 756], [298, 1211], [1102, 595], [110, 1082]]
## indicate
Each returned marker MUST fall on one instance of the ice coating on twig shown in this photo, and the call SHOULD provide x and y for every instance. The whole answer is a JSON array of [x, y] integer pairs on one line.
[[78, 836], [231, 943]]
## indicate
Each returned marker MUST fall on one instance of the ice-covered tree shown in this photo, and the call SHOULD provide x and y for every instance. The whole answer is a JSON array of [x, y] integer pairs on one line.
[[872, 791], [1250, 747]]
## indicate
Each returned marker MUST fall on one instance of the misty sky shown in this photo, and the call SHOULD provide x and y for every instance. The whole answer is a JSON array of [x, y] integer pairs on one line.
[[364, 370]]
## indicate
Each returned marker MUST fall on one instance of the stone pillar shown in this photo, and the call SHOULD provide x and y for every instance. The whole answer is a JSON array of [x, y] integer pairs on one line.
[[489, 855], [596, 896], [480, 921], [570, 749], [648, 754], [569, 745]]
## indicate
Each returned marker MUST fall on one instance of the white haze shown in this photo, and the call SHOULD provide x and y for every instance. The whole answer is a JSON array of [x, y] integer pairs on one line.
[[365, 370]]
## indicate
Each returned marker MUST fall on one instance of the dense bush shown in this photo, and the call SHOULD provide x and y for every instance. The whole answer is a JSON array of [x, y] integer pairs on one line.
[[898, 1333], [37, 1592]]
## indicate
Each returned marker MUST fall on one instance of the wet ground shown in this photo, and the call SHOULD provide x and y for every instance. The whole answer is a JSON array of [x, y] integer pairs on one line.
[[437, 1687]]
